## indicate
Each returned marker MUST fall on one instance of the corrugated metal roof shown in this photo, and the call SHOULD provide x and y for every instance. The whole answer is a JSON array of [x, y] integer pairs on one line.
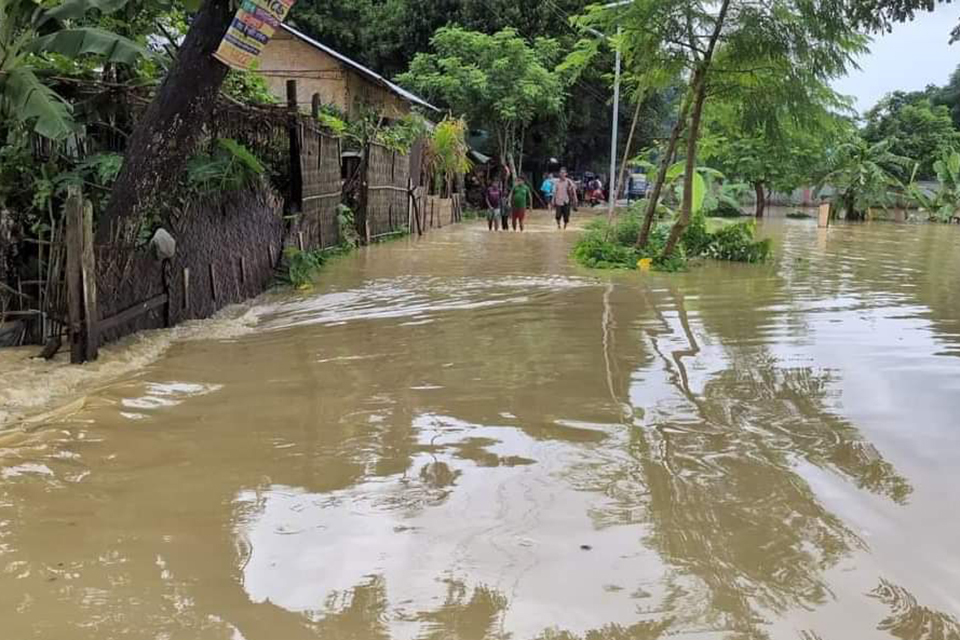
[[356, 66]]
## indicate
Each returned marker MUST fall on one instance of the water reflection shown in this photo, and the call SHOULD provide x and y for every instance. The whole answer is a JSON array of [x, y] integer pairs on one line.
[[725, 495], [908, 620], [629, 458]]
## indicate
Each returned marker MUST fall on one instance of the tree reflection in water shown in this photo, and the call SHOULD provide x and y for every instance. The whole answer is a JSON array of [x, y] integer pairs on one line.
[[466, 614], [909, 620], [722, 485]]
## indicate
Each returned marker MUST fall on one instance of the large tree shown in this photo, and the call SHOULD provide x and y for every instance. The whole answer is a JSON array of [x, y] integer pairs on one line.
[[385, 35], [771, 127], [709, 40], [499, 81], [167, 134], [915, 129]]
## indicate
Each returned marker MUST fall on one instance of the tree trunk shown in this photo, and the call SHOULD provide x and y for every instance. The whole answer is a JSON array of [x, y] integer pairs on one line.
[[761, 198], [693, 134], [168, 133], [850, 206], [653, 197]]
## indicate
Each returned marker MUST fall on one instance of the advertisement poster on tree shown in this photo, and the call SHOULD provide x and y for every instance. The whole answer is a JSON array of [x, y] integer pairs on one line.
[[250, 31]]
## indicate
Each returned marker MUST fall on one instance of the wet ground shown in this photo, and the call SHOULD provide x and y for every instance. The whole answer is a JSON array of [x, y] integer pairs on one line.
[[470, 437]]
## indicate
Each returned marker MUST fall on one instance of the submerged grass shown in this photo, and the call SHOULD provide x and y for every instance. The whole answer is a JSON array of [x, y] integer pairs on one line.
[[603, 246]]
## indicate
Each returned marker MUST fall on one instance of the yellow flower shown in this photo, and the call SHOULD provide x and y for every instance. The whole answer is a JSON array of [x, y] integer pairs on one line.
[[644, 264]]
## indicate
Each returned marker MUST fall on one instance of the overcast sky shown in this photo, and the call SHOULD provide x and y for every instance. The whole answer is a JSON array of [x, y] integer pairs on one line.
[[914, 55]]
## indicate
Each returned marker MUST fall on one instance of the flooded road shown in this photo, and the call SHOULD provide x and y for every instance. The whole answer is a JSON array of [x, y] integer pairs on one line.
[[468, 437]]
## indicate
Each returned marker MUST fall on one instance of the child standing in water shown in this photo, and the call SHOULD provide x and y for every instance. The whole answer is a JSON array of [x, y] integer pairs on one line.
[[522, 199], [492, 196]]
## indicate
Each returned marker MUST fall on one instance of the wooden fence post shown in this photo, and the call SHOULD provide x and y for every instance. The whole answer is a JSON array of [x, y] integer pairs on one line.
[[167, 275], [74, 240], [296, 173], [91, 311], [186, 291], [824, 215], [363, 198], [315, 106], [81, 279], [213, 282]]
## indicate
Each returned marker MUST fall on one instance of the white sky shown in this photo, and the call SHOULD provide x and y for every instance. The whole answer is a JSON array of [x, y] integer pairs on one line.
[[914, 55]]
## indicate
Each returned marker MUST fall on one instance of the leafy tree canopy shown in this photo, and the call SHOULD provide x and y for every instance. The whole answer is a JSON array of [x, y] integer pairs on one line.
[[498, 81], [914, 127]]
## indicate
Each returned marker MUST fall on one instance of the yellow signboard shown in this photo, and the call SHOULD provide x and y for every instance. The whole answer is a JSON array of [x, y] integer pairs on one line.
[[250, 31]]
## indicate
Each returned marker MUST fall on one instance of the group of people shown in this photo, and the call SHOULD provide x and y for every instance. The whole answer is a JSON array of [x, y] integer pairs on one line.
[[559, 193]]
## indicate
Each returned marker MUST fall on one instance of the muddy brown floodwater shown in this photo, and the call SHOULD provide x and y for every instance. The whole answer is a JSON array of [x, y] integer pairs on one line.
[[468, 437]]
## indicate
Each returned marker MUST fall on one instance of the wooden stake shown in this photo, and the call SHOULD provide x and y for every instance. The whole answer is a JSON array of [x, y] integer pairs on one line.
[[296, 171], [88, 265], [186, 290], [824, 216], [167, 270], [74, 241], [213, 282]]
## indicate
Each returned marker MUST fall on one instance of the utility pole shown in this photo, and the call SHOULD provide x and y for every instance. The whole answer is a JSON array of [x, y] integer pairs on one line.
[[614, 134], [612, 180]]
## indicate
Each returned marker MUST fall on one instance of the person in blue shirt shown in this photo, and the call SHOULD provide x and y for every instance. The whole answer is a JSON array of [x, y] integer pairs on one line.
[[547, 189]]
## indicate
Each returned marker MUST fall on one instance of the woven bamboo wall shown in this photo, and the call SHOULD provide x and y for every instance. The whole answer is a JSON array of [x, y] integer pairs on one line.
[[320, 166], [388, 178]]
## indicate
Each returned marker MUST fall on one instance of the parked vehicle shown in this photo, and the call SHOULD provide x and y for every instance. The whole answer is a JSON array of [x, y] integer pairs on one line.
[[637, 187]]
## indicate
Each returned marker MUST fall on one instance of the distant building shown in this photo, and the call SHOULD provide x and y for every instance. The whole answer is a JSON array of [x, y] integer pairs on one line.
[[340, 81]]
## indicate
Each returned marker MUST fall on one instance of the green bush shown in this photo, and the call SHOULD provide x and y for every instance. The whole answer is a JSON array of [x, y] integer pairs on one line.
[[737, 243], [347, 226], [696, 239], [602, 247], [302, 266], [726, 210], [230, 167]]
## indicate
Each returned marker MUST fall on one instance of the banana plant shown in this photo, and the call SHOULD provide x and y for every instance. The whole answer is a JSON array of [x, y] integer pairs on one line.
[[864, 176], [29, 30], [943, 205], [674, 177]]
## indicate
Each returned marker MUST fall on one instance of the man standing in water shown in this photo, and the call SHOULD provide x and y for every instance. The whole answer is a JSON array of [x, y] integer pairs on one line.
[[493, 205], [522, 199], [564, 197]]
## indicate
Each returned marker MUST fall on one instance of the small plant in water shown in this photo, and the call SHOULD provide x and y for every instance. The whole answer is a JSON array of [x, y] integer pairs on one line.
[[302, 266]]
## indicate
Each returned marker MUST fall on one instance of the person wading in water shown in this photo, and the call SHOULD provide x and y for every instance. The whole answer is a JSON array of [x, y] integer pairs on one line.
[[492, 196], [564, 197], [522, 199]]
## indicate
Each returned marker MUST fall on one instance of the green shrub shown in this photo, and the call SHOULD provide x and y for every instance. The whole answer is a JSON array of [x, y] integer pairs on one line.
[[799, 215], [230, 167], [696, 239], [737, 243], [347, 227], [602, 247], [726, 210], [302, 266]]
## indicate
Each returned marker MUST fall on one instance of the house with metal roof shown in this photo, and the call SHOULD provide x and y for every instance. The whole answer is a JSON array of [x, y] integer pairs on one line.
[[340, 81]]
